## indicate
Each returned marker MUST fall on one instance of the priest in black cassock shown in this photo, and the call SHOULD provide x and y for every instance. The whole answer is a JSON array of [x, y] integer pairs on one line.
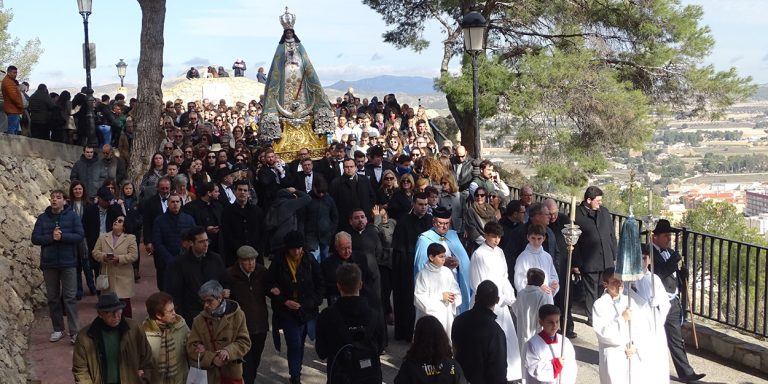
[[407, 231]]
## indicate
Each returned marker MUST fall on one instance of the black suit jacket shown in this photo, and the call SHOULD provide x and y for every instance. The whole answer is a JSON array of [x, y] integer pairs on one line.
[[668, 270], [349, 195], [370, 173], [297, 181], [328, 168], [267, 186], [151, 209]]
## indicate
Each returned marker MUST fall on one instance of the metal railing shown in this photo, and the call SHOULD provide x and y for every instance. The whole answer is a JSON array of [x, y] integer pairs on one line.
[[728, 280]]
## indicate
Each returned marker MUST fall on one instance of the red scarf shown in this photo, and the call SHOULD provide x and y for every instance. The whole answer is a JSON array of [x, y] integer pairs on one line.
[[557, 366]]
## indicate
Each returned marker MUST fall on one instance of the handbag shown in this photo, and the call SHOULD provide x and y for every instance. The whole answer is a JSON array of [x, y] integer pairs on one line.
[[102, 281], [197, 375]]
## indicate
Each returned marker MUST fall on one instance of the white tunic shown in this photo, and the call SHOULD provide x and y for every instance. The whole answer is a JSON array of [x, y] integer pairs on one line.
[[526, 310], [613, 335], [538, 361], [531, 258], [658, 305], [489, 264], [431, 282]]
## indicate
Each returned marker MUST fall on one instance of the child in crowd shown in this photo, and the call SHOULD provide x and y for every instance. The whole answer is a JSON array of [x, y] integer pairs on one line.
[[622, 335], [437, 292], [658, 305], [543, 360], [526, 308], [488, 263], [534, 255]]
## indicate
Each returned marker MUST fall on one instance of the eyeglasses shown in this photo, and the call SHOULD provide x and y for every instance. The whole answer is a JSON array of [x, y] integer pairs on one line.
[[211, 156], [480, 195], [168, 147], [188, 152], [493, 197], [119, 220], [389, 178]]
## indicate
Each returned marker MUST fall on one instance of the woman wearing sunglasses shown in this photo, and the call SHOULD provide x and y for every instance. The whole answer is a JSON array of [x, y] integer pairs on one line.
[[116, 251]]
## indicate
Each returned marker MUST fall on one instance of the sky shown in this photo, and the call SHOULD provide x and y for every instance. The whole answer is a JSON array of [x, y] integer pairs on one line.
[[343, 42]]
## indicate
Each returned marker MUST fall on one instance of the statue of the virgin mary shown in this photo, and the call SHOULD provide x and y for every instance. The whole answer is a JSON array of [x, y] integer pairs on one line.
[[296, 111]]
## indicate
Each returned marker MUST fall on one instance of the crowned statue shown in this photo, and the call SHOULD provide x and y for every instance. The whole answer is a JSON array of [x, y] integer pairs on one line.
[[296, 112]]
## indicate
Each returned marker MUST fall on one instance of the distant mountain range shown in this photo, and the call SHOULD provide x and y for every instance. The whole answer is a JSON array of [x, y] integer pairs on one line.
[[411, 85]]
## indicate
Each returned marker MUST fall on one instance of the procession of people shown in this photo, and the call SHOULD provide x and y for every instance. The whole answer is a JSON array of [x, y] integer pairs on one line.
[[380, 227]]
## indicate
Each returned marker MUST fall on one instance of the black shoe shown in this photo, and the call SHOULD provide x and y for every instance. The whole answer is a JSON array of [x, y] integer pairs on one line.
[[693, 377], [571, 335]]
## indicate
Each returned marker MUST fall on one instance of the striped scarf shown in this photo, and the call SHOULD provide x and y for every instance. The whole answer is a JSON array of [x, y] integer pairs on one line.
[[167, 365]]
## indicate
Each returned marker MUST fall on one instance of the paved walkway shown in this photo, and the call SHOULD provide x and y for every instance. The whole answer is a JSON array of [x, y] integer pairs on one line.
[[51, 363]]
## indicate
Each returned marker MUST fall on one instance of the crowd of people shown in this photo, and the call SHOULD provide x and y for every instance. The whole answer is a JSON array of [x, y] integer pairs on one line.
[[387, 229]]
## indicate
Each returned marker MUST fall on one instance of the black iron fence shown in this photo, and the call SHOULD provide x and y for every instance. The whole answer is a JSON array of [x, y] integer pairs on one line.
[[727, 282]]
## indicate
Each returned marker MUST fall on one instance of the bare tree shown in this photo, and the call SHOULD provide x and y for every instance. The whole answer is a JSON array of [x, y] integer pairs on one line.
[[148, 134]]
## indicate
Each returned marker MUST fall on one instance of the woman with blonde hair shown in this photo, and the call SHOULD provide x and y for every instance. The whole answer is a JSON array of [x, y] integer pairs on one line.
[[433, 170], [394, 148], [402, 200], [477, 213], [450, 199], [388, 188]]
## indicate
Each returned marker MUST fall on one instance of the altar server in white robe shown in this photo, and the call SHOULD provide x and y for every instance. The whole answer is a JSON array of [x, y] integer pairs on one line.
[[534, 256], [622, 335], [658, 304], [437, 292], [488, 263], [543, 361], [526, 308]]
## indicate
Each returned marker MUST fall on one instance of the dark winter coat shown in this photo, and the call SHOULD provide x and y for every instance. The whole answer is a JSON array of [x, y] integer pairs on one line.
[[481, 346], [307, 290], [249, 291], [333, 324], [88, 172], [320, 221], [596, 249], [62, 253], [185, 276], [168, 230]]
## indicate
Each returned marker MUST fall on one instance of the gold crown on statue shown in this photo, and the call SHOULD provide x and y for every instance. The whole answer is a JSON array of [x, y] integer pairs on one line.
[[287, 19]]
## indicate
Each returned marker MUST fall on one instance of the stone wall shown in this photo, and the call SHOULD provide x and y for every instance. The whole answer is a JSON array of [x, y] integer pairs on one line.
[[25, 182]]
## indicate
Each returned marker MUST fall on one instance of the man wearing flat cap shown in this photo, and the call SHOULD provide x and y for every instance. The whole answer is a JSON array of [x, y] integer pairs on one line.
[[455, 255], [666, 264], [244, 282], [112, 349]]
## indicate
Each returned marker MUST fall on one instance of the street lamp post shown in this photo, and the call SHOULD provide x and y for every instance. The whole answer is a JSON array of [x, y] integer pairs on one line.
[[473, 26], [121, 66], [84, 7]]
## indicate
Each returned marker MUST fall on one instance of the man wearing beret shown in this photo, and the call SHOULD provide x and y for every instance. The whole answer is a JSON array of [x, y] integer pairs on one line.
[[666, 264]]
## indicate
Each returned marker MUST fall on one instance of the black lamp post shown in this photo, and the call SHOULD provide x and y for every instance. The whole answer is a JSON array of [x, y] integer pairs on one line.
[[473, 26], [84, 7], [121, 66]]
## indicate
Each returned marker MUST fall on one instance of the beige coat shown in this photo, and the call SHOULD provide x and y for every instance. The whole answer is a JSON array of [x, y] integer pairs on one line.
[[121, 274], [154, 337], [229, 332]]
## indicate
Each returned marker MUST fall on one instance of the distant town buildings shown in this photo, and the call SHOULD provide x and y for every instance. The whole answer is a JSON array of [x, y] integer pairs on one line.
[[757, 203]]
